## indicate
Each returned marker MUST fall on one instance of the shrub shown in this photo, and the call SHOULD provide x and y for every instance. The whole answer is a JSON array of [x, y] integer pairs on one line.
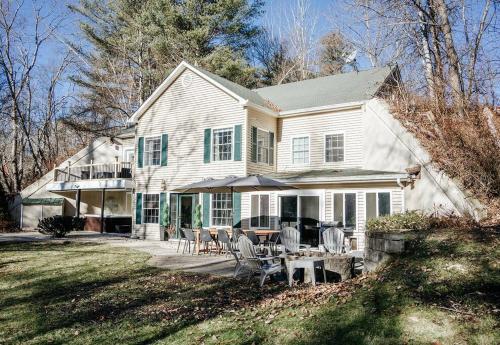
[[411, 220], [59, 226]]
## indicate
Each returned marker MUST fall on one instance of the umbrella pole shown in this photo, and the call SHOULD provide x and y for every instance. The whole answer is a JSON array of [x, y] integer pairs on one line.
[[232, 208]]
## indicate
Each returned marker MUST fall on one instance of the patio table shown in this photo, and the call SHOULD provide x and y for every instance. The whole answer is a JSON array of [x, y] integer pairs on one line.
[[213, 232], [309, 264]]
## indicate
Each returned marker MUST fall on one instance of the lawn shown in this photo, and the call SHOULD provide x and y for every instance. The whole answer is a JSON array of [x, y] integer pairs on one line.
[[444, 292]]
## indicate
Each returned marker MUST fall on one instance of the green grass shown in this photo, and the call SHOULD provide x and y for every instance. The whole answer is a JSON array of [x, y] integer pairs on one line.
[[444, 291]]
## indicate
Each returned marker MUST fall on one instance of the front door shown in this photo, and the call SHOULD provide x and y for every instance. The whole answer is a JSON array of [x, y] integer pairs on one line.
[[186, 211]]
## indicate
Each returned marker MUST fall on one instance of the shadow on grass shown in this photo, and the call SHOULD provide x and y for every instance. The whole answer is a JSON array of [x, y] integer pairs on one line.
[[374, 315], [99, 296]]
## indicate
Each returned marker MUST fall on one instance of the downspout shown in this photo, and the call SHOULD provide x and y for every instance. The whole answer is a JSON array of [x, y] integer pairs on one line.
[[403, 206]]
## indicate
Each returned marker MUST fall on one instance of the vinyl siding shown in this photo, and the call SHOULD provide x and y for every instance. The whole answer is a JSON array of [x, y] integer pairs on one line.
[[184, 112], [267, 123], [316, 127]]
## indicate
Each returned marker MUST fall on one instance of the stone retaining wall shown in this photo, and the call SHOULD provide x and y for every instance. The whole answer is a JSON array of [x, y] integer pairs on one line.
[[381, 246]]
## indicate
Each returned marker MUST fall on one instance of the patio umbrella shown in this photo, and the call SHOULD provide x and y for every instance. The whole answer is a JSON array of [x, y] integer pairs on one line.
[[257, 183], [233, 184], [209, 185]]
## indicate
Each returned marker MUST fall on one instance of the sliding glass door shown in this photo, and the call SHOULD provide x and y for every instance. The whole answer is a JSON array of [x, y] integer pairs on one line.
[[303, 213]]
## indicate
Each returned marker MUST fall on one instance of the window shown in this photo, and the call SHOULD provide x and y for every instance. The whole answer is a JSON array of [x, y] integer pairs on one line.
[[260, 211], [222, 206], [344, 209], [378, 204], [151, 207], [262, 146], [300, 150], [222, 144], [152, 151], [334, 148]]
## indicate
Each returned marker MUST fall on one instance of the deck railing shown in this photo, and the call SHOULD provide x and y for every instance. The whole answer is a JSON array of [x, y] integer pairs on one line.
[[99, 171]]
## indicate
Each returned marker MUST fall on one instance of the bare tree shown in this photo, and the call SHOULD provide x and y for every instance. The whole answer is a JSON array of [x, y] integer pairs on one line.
[[26, 137]]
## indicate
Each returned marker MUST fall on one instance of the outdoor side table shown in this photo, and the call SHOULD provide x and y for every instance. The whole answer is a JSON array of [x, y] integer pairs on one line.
[[308, 264]]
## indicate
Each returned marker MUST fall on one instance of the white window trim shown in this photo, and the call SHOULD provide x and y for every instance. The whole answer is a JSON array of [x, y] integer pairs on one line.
[[376, 192], [321, 193], [291, 150], [211, 222], [143, 209], [146, 137], [126, 149], [324, 147], [269, 200], [233, 128], [269, 148], [344, 192]]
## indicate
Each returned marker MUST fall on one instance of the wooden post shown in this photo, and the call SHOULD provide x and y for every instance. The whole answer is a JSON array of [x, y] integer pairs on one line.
[[69, 171], [91, 169], [55, 172], [78, 197], [103, 195]]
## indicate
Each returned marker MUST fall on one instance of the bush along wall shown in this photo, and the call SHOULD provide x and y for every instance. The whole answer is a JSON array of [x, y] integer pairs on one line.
[[60, 226], [388, 236]]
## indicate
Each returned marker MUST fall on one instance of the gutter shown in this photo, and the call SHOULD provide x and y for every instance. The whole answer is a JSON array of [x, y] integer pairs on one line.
[[353, 179], [322, 109]]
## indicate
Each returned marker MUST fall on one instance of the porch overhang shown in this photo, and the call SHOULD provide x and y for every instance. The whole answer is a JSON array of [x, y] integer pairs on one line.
[[331, 176], [116, 184]]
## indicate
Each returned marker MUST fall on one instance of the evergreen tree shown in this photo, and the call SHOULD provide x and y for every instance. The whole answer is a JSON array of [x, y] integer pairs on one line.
[[135, 44]]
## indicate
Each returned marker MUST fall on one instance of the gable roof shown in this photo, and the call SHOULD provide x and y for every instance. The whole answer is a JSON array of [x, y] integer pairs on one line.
[[237, 89], [318, 92], [334, 89]]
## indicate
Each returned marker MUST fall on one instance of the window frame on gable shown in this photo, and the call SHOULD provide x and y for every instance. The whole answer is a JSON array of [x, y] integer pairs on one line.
[[216, 154], [326, 149], [148, 155], [308, 151]]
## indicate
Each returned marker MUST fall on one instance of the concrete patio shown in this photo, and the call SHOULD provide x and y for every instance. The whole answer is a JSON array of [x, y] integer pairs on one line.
[[163, 254]]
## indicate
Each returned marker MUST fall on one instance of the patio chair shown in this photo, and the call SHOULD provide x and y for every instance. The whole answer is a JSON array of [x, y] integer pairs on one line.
[[189, 236], [290, 239], [271, 245], [333, 240], [224, 240], [206, 239], [232, 248], [182, 238], [263, 265], [253, 237], [236, 234]]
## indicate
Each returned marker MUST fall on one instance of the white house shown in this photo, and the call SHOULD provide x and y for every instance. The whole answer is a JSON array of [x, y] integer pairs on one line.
[[330, 137]]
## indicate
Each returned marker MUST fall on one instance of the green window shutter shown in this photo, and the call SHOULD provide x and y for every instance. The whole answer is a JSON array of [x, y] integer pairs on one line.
[[206, 142], [206, 210], [254, 144], [237, 143], [164, 150], [140, 152], [163, 199], [237, 210], [138, 208], [271, 148]]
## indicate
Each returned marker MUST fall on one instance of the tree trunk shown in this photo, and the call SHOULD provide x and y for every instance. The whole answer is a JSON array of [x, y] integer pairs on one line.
[[427, 61], [456, 83]]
